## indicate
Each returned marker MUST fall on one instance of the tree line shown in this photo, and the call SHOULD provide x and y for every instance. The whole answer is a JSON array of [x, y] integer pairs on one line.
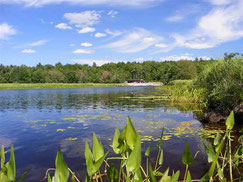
[[107, 73]]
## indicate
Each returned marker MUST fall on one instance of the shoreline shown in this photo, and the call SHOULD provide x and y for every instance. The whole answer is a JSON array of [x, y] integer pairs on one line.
[[23, 86]]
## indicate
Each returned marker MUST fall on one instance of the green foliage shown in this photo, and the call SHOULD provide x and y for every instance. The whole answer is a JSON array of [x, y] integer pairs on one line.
[[222, 82], [107, 73], [8, 170], [187, 156]]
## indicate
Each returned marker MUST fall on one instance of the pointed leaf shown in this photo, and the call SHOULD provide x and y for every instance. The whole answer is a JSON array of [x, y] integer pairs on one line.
[[131, 134], [166, 177], [175, 176], [2, 157], [230, 121], [62, 171], [11, 165], [115, 143], [151, 174], [137, 176], [89, 159], [161, 157], [187, 156], [217, 139], [188, 177], [98, 150], [148, 150], [212, 168], [134, 160], [97, 164]]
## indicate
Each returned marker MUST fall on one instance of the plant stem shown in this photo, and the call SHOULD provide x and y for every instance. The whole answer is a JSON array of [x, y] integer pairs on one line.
[[230, 159], [185, 173]]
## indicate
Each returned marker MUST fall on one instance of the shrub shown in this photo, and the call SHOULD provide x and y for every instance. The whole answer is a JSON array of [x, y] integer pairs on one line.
[[222, 81]]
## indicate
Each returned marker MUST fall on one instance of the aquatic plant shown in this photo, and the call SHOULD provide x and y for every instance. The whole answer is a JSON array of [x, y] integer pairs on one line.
[[8, 170], [127, 145]]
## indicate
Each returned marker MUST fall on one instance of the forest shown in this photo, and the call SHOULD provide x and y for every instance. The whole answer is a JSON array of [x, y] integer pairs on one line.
[[107, 73]]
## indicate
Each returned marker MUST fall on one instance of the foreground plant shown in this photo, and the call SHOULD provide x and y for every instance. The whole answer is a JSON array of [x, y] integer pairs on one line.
[[127, 145], [8, 170], [223, 162]]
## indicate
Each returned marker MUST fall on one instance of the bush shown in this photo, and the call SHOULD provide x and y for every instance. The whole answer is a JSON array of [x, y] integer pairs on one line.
[[222, 81]]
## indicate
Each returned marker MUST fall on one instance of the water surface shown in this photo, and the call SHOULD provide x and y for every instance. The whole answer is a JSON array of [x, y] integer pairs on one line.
[[38, 122]]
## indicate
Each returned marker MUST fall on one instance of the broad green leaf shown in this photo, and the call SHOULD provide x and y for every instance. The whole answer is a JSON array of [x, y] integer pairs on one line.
[[188, 177], [148, 150], [220, 172], [134, 160], [62, 171], [137, 176], [230, 121], [22, 177], [98, 150], [112, 173], [2, 157], [157, 173], [89, 159], [131, 134], [165, 177], [175, 176], [210, 153], [4, 178], [49, 178], [151, 174], [11, 173], [217, 139], [187, 156], [97, 164], [115, 143], [161, 158], [212, 168]]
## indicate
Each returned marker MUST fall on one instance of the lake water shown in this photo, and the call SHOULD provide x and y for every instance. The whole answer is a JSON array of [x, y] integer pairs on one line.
[[38, 122]]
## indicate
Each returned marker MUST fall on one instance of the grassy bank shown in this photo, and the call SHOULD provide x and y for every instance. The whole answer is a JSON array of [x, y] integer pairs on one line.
[[183, 91], [9, 86]]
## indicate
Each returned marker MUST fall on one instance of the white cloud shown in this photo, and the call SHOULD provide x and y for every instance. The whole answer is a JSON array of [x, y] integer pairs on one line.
[[175, 18], [86, 44], [112, 13], [86, 30], [183, 57], [161, 45], [63, 26], [135, 41], [222, 24], [71, 45], [82, 51], [113, 33], [6, 31], [139, 59], [220, 2], [99, 62], [83, 19], [28, 51], [39, 3], [98, 35], [38, 43]]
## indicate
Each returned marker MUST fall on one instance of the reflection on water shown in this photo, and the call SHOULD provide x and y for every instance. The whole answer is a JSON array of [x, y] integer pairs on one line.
[[38, 122]]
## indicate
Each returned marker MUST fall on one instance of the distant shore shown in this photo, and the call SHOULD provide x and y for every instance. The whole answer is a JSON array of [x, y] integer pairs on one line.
[[15, 86]]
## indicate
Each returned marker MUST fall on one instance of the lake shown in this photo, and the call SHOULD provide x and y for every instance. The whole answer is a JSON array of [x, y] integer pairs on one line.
[[38, 122]]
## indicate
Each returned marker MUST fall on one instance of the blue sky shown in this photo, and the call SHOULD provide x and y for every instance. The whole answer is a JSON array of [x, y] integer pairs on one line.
[[101, 31]]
